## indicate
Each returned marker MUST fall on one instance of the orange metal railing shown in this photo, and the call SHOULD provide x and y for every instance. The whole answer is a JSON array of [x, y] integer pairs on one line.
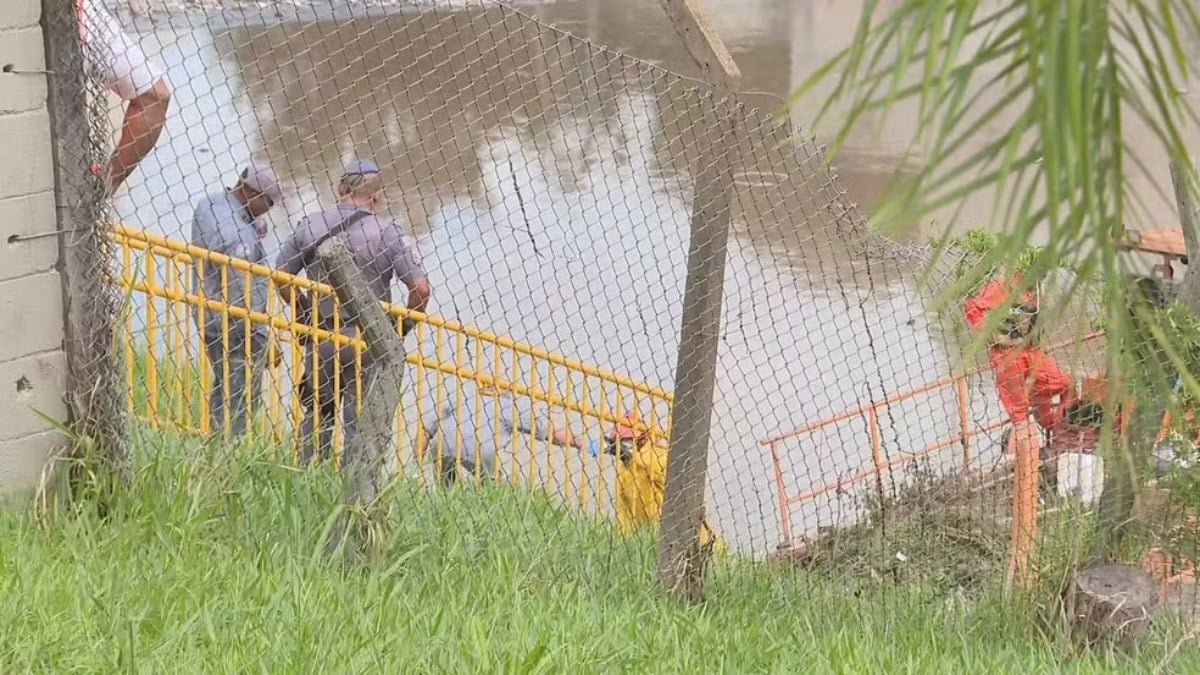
[[879, 465]]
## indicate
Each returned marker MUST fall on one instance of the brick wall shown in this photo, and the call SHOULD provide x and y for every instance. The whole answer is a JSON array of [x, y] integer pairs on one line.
[[32, 362]]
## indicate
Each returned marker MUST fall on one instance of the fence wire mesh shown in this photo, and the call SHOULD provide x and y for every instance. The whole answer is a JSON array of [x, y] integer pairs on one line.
[[543, 186]]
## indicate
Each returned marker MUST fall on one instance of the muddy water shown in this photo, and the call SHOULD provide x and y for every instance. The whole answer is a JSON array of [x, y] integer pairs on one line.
[[547, 188]]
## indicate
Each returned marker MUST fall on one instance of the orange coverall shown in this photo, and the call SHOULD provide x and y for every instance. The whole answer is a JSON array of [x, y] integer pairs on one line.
[[1028, 379]]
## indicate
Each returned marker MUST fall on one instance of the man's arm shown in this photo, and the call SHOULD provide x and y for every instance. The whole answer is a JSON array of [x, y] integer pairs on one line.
[[1012, 382], [1050, 380], [145, 117], [565, 438], [543, 428], [128, 72], [976, 309], [418, 294], [291, 261], [974, 312], [407, 267]]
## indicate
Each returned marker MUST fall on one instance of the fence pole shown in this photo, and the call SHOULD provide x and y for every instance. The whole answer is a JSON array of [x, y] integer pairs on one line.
[[876, 452], [964, 426], [362, 461], [1024, 513], [680, 559], [785, 518], [89, 296], [876, 440]]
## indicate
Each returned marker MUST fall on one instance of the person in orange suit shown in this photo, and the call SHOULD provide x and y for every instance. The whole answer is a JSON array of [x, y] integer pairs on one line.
[[1032, 385]]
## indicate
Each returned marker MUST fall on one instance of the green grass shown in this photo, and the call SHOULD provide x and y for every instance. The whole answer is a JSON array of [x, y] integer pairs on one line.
[[210, 562]]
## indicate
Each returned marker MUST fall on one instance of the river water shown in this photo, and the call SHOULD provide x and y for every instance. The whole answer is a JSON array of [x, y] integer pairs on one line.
[[549, 197]]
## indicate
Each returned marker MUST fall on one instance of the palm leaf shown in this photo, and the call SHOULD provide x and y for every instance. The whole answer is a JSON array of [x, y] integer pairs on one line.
[[1061, 80]]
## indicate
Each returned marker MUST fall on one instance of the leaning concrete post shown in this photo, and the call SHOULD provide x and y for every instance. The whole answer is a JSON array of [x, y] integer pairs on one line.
[[362, 462], [680, 559], [93, 387]]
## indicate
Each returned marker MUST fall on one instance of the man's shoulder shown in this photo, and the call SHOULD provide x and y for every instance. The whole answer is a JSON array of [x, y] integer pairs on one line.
[[313, 223], [213, 199], [383, 221], [220, 204], [394, 235], [214, 206], [375, 226], [328, 216]]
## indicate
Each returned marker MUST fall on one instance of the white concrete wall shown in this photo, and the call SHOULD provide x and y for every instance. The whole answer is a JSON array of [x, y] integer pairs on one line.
[[32, 362]]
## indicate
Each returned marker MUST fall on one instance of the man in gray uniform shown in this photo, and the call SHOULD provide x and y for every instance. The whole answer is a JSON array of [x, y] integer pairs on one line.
[[230, 222], [478, 439], [378, 247]]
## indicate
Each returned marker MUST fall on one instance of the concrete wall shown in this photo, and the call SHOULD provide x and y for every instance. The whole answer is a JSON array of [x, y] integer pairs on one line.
[[32, 361]]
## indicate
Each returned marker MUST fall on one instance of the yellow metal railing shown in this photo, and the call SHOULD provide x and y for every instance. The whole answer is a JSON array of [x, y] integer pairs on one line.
[[169, 379]]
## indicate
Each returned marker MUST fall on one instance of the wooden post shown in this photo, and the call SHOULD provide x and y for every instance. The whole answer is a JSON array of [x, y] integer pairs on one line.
[[362, 461], [1024, 512], [89, 297], [680, 558]]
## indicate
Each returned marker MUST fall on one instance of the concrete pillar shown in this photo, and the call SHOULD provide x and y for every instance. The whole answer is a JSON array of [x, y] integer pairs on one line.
[[32, 362]]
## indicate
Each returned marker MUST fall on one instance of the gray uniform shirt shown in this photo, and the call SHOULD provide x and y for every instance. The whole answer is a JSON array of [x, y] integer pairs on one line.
[[220, 223], [376, 243]]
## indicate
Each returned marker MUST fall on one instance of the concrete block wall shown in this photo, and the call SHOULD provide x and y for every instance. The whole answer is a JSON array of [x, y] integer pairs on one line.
[[32, 362]]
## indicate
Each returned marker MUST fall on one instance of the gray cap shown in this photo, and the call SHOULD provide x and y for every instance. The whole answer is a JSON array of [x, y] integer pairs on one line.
[[360, 167], [259, 175]]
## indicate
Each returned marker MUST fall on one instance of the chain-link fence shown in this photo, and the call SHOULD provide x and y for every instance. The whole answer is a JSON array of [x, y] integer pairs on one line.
[[541, 186]]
